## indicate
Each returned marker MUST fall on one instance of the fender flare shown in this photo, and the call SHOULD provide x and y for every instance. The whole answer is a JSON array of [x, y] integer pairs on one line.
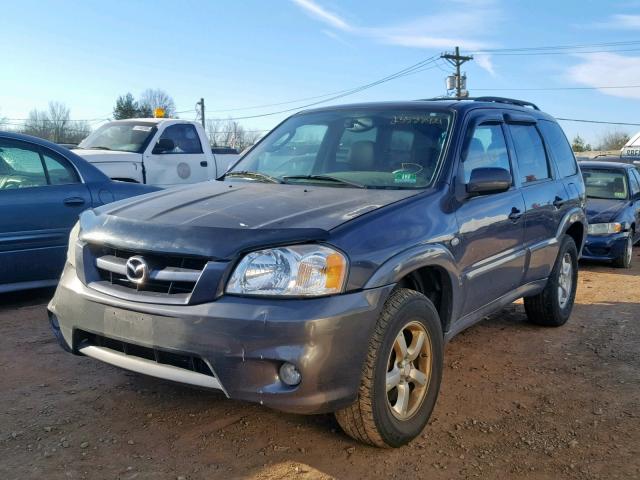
[[573, 216], [414, 258]]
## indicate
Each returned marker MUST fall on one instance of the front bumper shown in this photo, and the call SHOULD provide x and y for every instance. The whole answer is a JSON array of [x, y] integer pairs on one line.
[[605, 247], [243, 340]]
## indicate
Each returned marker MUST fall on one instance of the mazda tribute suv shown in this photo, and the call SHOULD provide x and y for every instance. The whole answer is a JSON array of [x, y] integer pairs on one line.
[[325, 271]]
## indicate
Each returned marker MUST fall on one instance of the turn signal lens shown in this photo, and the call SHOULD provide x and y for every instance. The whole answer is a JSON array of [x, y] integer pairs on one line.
[[604, 228]]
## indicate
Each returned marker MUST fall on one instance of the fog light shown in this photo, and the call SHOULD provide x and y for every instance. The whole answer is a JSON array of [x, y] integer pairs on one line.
[[290, 375]]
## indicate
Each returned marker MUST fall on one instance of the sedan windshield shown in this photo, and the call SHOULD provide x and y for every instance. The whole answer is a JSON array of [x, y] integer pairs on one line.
[[352, 149], [606, 183], [121, 136]]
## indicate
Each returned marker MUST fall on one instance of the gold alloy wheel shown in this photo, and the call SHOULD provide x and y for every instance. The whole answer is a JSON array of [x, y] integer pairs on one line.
[[409, 370]]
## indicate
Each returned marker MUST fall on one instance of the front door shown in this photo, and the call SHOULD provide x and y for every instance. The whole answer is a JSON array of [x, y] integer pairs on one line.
[[184, 163], [41, 197], [491, 227]]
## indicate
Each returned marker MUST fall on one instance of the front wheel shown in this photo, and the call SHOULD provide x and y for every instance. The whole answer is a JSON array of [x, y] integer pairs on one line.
[[624, 260], [401, 376], [552, 307]]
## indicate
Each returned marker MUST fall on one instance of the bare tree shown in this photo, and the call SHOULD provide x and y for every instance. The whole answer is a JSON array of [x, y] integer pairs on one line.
[[229, 133], [152, 98], [55, 124], [613, 141]]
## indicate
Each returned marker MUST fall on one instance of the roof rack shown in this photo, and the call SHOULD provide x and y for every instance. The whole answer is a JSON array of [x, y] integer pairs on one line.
[[511, 101]]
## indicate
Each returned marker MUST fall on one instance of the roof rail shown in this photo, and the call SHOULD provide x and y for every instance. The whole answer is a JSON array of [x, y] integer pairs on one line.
[[512, 101]]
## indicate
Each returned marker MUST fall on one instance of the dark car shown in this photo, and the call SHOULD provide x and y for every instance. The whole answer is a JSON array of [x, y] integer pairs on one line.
[[613, 211], [326, 270], [43, 189]]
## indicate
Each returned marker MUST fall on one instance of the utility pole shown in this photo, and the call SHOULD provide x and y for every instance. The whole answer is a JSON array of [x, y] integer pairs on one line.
[[200, 104], [457, 60]]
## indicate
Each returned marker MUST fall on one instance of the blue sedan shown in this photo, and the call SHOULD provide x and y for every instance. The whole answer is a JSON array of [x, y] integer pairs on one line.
[[43, 189], [613, 211]]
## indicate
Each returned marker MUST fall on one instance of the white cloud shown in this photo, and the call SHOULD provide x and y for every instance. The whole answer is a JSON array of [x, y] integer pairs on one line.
[[607, 69], [323, 14], [412, 34]]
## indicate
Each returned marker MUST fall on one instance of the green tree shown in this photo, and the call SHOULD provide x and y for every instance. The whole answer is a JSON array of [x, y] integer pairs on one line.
[[578, 144], [126, 107]]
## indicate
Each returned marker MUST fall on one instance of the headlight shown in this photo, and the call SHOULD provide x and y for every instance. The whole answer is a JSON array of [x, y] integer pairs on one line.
[[604, 228], [301, 270], [73, 239]]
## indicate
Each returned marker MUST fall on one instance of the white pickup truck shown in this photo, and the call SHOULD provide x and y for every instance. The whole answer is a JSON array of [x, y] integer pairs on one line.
[[155, 151]]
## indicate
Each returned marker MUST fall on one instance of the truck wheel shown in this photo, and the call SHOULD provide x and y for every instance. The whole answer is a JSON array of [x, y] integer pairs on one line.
[[624, 260], [552, 307], [401, 375]]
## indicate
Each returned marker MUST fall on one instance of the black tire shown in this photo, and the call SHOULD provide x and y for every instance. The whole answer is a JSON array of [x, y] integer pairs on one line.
[[546, 308], [624, 260], [370, 418]]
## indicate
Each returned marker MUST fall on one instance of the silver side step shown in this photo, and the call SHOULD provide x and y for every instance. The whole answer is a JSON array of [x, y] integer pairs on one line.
[[149, 367]]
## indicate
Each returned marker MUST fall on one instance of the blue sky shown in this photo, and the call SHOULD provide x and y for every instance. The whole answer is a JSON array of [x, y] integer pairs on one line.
[[245, 53]]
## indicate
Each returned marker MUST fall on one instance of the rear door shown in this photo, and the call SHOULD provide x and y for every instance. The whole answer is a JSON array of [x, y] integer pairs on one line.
[[634, 182], [185, 163], [545, 195], [491, 227], [41, 197]]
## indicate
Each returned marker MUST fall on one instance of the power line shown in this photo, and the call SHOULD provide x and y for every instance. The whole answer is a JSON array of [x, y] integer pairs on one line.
[[596, 121], [559, 47], [564, 53], [342, 93], [555, 88]]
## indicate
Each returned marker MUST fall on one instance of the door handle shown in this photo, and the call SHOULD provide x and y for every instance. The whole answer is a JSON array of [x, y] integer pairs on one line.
[[73, 201], [203, 163], [558, 202], [515, 214]]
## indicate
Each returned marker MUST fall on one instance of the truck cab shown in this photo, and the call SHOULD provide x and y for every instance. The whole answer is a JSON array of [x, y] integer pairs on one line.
[[156, 151]]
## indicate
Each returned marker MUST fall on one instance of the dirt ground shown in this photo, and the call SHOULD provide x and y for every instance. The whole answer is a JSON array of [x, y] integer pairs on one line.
[[517, 401]]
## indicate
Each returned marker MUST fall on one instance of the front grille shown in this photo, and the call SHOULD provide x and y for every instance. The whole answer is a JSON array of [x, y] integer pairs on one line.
[[186, 362], [169, 274]]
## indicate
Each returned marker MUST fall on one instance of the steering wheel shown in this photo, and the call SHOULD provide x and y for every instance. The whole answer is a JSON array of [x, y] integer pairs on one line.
[[296, 164]]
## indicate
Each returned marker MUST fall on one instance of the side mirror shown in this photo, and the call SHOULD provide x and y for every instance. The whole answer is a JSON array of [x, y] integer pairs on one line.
[[489, 180], [164, 145]]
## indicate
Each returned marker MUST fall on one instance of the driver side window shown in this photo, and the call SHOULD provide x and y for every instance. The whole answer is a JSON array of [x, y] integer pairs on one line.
[[486, 148]]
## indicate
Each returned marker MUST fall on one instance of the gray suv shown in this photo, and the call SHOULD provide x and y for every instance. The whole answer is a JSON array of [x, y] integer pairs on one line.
[[325, 271]]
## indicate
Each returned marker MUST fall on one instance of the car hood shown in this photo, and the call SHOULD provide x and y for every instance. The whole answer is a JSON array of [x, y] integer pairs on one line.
[[218, 219], [104, 156], [600, 210]]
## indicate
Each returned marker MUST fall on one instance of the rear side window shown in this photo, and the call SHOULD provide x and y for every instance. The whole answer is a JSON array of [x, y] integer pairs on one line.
[[560, 149], [486, 149], [532, 159], [60, 172]]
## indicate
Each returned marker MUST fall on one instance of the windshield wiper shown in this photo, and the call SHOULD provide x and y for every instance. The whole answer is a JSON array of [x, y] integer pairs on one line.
[[328, 178], [254, 175], [96, 148]]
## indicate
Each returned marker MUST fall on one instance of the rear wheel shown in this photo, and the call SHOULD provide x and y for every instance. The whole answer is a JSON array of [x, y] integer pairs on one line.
[[624, 260], [401, 376], [552, 307]]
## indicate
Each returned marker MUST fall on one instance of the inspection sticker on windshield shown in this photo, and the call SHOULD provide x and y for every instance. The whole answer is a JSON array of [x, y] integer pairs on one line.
[[142, 128], [402, 176]]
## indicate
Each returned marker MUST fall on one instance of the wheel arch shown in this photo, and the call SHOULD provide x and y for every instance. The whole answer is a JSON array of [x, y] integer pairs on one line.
[[430, 270]]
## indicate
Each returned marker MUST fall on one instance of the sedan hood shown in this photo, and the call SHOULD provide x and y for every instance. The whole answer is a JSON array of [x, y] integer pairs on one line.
[[218, 219], [107, 156], [600, 210]]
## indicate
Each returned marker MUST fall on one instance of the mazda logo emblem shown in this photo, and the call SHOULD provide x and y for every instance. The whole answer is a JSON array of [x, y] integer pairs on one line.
[[137, 270]]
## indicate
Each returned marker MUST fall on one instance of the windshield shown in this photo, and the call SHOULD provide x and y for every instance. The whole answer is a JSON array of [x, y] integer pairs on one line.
[[608, 184], [357, 148], [121, 136]]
